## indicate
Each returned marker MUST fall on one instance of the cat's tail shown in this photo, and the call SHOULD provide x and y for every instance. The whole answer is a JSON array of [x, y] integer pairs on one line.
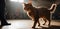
[[53, 8]]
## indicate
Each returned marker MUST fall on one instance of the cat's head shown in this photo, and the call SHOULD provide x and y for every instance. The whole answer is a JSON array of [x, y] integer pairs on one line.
[[27, 6]]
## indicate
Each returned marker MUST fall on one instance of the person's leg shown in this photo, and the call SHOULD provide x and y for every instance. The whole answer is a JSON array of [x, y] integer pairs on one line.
[[4, 22], [3, 19], [2, 9]]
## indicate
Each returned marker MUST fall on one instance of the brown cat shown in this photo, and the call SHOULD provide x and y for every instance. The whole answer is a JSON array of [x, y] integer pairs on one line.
[[36, 13]]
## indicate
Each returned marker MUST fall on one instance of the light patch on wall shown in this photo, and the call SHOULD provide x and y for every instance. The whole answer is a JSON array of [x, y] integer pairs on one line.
[[21, 1], [14, 0]]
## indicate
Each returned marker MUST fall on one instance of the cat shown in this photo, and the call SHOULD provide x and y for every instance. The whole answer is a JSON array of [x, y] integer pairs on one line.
[[36, 13]]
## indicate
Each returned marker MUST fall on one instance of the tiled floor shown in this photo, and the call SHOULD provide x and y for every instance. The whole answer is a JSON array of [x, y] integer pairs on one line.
[[27, 24]]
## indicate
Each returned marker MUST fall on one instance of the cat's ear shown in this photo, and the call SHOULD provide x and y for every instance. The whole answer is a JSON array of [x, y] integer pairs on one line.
[[24, 4]]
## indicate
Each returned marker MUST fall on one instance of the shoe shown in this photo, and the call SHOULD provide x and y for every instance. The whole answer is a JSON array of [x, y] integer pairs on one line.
[[5, 24], [33, 27]]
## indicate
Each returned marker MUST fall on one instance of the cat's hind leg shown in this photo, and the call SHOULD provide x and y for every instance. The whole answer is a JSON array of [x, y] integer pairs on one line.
[[48, 18], [38, 23], [45, 21]]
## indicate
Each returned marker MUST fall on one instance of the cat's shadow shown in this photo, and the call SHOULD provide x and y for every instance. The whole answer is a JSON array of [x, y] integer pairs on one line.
[[51, 27]]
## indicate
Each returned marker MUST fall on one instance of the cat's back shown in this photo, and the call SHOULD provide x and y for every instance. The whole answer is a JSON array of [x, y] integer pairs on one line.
[[43, 11]]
